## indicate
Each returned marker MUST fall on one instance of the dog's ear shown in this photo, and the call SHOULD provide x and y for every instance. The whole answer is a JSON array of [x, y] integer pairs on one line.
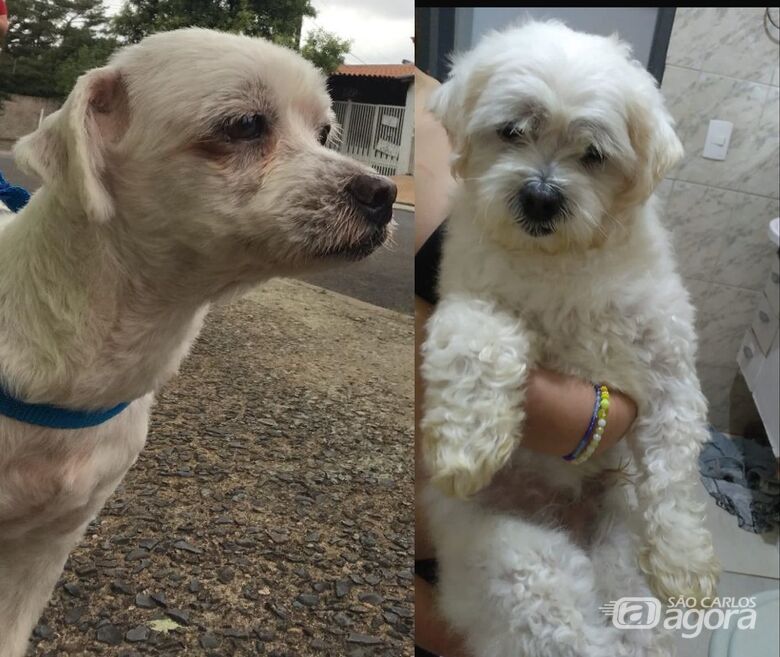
[[69, 148], [652, 135], [451, 104]]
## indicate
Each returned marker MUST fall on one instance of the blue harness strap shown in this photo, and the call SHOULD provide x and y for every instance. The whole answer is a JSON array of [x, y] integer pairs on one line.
[[14, 197], [55, 417]]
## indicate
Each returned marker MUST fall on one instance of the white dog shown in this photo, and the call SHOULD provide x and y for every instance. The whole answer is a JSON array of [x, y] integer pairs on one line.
[[555, 257], [188, 169]]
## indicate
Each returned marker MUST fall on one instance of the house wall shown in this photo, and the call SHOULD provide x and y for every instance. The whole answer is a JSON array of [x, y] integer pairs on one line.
[[19, 116], [367, 89]]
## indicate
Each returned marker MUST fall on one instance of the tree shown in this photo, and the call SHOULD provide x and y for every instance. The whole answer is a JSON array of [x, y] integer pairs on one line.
[[50, 43], [325, 49], [277, 20]]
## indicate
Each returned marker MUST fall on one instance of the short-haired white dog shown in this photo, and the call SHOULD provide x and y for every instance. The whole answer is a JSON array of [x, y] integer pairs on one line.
[[190, 168], [555, 257]]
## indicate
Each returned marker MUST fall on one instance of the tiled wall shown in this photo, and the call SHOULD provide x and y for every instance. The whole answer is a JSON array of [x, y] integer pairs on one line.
[[722, 64]]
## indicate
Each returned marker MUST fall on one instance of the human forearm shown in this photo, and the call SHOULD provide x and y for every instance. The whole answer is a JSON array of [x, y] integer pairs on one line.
[[558, 409], [431, 631]]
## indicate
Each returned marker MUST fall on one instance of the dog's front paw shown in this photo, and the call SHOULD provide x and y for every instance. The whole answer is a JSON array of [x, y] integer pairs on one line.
[[462, 469], [474, 367], [689, 575], [461, 484]]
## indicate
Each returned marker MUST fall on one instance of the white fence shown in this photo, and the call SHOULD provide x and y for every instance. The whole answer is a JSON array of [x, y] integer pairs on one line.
[[373, 134]]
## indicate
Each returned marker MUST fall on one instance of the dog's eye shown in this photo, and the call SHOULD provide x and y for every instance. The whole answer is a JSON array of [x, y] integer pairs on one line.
[[593, 156], [323, 136], [510, 132], [247, 128]]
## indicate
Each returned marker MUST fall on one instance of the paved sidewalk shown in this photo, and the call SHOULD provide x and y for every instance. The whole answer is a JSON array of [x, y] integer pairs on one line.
[[271, 512], [405, 189]]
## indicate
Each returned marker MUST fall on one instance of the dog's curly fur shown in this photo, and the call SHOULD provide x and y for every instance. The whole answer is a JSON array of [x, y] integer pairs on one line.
[[188, 169], [594, 294]]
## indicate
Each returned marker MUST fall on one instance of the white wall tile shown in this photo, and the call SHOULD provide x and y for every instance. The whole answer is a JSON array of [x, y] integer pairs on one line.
[[722, 65], [716, 383], [662, 193], [745, 258], [729, 41], [754, 152], [677, 91], [724, 312], [699, 217], [738, 45], [690, 34], [717, 97]]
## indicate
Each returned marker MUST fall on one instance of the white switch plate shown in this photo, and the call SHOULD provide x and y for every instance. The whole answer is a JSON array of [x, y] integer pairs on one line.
[[716, 145]]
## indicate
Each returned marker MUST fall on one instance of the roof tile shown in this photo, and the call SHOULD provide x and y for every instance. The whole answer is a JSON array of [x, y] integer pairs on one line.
[[377, 70]]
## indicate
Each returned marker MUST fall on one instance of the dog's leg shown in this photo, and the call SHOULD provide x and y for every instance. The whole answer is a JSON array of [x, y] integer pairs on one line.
[[29, 569], [613, 554], [474, 367], [515, 589], [677, 553]]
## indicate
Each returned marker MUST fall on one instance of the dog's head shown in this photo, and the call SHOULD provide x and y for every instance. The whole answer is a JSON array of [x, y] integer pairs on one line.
[[216, 144], [557, 133]]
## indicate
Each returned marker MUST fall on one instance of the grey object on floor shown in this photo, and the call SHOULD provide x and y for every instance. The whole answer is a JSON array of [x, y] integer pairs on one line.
[[741, 475]]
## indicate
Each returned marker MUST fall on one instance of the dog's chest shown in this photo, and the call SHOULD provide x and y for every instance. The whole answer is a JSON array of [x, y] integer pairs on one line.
[[54, 481], [596, 340]]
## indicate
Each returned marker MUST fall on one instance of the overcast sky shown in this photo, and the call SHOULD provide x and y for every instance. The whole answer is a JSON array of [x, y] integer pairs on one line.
[[381, 30]]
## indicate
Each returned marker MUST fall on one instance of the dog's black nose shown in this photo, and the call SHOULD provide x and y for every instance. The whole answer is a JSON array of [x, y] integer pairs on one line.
[[540, 201], [375, 196]]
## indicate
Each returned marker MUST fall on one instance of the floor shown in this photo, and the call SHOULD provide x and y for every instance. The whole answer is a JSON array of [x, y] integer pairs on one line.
[[751, 564]]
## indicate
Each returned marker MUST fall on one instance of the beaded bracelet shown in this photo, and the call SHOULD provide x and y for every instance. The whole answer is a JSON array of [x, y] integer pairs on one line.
[[586, 436], [598, 423], [598, 432]]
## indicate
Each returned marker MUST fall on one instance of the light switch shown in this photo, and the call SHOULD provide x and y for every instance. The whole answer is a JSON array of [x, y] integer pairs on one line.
[[716, 145]]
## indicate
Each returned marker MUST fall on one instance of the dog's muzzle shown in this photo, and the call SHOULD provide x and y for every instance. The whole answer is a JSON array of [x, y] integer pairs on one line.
[[373, 196], [539, 203]]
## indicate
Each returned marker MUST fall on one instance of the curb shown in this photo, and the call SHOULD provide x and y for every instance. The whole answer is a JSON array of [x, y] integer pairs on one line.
[[357, 303]]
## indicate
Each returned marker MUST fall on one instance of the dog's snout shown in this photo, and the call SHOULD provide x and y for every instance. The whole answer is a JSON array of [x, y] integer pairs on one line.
[[540, 201], [375, 196], [373, 191]]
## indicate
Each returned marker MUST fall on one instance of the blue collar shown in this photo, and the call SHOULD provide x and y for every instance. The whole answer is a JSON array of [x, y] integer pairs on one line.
[[54, 417]]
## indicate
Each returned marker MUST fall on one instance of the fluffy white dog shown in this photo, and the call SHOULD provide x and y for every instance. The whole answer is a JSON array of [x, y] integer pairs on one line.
[[555, 257], [188, 169]]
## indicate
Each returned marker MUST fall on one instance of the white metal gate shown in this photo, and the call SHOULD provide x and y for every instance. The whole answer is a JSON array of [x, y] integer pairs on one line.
[[371, 134]]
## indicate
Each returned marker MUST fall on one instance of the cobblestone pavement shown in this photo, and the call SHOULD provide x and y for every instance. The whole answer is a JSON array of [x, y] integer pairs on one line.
[[271, 512]]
